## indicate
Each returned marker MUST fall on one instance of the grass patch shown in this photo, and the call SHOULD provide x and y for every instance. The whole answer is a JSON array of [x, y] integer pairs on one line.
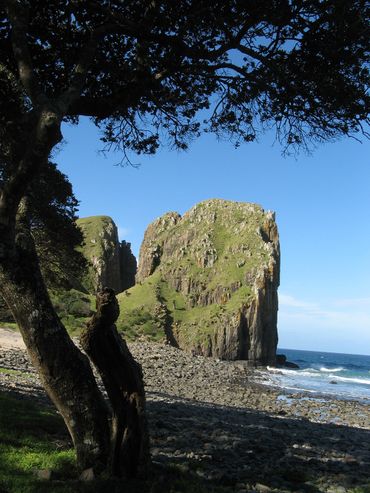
[[31, 439], [137, 311], [9, 325], [9, 371]]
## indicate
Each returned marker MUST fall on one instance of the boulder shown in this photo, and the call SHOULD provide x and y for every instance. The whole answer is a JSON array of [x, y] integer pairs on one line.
[[281, 361]]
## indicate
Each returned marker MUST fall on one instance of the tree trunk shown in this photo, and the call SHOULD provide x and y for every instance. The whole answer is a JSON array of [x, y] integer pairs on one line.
[[123, 380], [64, 371], [123, 447]]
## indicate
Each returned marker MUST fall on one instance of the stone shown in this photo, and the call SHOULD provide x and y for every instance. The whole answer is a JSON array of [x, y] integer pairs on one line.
[[281, 361], [262, 488], [290, 364], [44, 474], [325, 456], [87, 475], [207, 282]]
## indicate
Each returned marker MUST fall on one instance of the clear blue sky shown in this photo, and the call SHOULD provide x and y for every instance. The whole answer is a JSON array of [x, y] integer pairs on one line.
[[322, 205]]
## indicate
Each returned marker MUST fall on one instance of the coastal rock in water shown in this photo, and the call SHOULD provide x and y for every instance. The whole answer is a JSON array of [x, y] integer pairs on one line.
[[282, 361], [111, 263], [208, 282]]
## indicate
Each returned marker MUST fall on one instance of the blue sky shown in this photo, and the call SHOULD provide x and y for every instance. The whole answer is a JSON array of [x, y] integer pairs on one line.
[[322, 205]]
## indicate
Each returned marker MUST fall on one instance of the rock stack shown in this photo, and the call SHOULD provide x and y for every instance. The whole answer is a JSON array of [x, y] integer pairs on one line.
[[216, 272]]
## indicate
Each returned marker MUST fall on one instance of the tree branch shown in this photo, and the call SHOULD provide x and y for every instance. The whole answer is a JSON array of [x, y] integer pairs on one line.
[[84, 62], [18, 16]]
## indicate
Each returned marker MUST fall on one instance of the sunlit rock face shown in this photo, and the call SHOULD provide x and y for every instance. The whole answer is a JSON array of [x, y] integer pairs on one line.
[[111, 262], [207, 281]]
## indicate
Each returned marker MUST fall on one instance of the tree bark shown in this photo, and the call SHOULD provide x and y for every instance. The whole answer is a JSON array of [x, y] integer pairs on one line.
[[64, 371], [123, 380]]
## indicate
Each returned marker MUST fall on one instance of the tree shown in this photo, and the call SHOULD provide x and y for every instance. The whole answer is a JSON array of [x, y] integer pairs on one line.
[[52, 216], [52, 219], [148, 72]]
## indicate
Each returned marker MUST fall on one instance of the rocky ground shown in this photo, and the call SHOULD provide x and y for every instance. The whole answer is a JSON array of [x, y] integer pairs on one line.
[[210, 418]]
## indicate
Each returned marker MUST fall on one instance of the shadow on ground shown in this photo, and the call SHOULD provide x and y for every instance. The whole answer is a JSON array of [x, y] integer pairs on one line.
[[198, 447], [241, 447]]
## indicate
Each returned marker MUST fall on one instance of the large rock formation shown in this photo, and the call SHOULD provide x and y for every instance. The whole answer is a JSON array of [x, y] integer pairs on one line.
[[111, 263], [208, 282]]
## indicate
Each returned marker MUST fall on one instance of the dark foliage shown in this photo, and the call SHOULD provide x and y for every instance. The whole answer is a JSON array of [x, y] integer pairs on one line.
[[53, 215], [296, 65]]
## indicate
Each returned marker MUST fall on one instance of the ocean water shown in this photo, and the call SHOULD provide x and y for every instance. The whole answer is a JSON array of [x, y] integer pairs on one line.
[[345, 376]]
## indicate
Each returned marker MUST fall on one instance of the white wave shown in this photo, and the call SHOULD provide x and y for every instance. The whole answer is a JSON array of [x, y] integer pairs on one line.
[[331, 370], [362, 381], [309, 372], [301, 389]]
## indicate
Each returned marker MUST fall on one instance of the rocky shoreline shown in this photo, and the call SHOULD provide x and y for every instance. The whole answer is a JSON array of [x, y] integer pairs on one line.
[[213, 419]]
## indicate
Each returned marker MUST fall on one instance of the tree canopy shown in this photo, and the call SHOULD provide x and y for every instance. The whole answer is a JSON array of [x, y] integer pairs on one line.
[[144, 70]]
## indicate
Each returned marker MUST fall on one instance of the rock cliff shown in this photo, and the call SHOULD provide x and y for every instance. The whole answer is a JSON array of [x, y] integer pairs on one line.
[[208, 282], [111, 263]]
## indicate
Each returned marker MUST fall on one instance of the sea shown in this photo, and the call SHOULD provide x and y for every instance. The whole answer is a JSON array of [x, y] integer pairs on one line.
[[344, 376]]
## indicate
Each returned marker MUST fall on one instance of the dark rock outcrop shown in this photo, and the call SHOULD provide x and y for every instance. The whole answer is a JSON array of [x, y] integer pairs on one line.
[[216, 269], [281, 361], [128, 266]]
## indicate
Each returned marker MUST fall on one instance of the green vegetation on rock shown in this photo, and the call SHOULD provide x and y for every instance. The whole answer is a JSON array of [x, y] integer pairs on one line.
[[110, 262], [101, 249], [92, 227], [105, 262], [200, 274]]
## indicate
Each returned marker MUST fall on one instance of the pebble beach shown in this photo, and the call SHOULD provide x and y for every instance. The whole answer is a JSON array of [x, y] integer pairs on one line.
[[218, 420]]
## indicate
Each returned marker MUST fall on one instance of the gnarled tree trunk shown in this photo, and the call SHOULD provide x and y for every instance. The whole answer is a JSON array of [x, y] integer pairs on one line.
[[123, 380], [66, 373]]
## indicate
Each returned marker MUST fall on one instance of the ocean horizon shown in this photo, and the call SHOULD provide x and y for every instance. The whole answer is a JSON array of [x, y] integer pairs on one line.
[[341, 375]]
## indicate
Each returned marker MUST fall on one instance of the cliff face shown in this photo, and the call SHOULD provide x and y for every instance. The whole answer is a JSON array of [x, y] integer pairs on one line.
[[208, 282], [111, 262]]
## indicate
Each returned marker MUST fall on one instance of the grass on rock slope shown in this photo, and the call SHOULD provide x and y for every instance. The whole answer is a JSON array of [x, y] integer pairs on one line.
[[216, 245]]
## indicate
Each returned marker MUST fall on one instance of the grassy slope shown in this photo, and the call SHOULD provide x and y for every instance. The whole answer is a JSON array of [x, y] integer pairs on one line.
[[31, 439], [74, 308]]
